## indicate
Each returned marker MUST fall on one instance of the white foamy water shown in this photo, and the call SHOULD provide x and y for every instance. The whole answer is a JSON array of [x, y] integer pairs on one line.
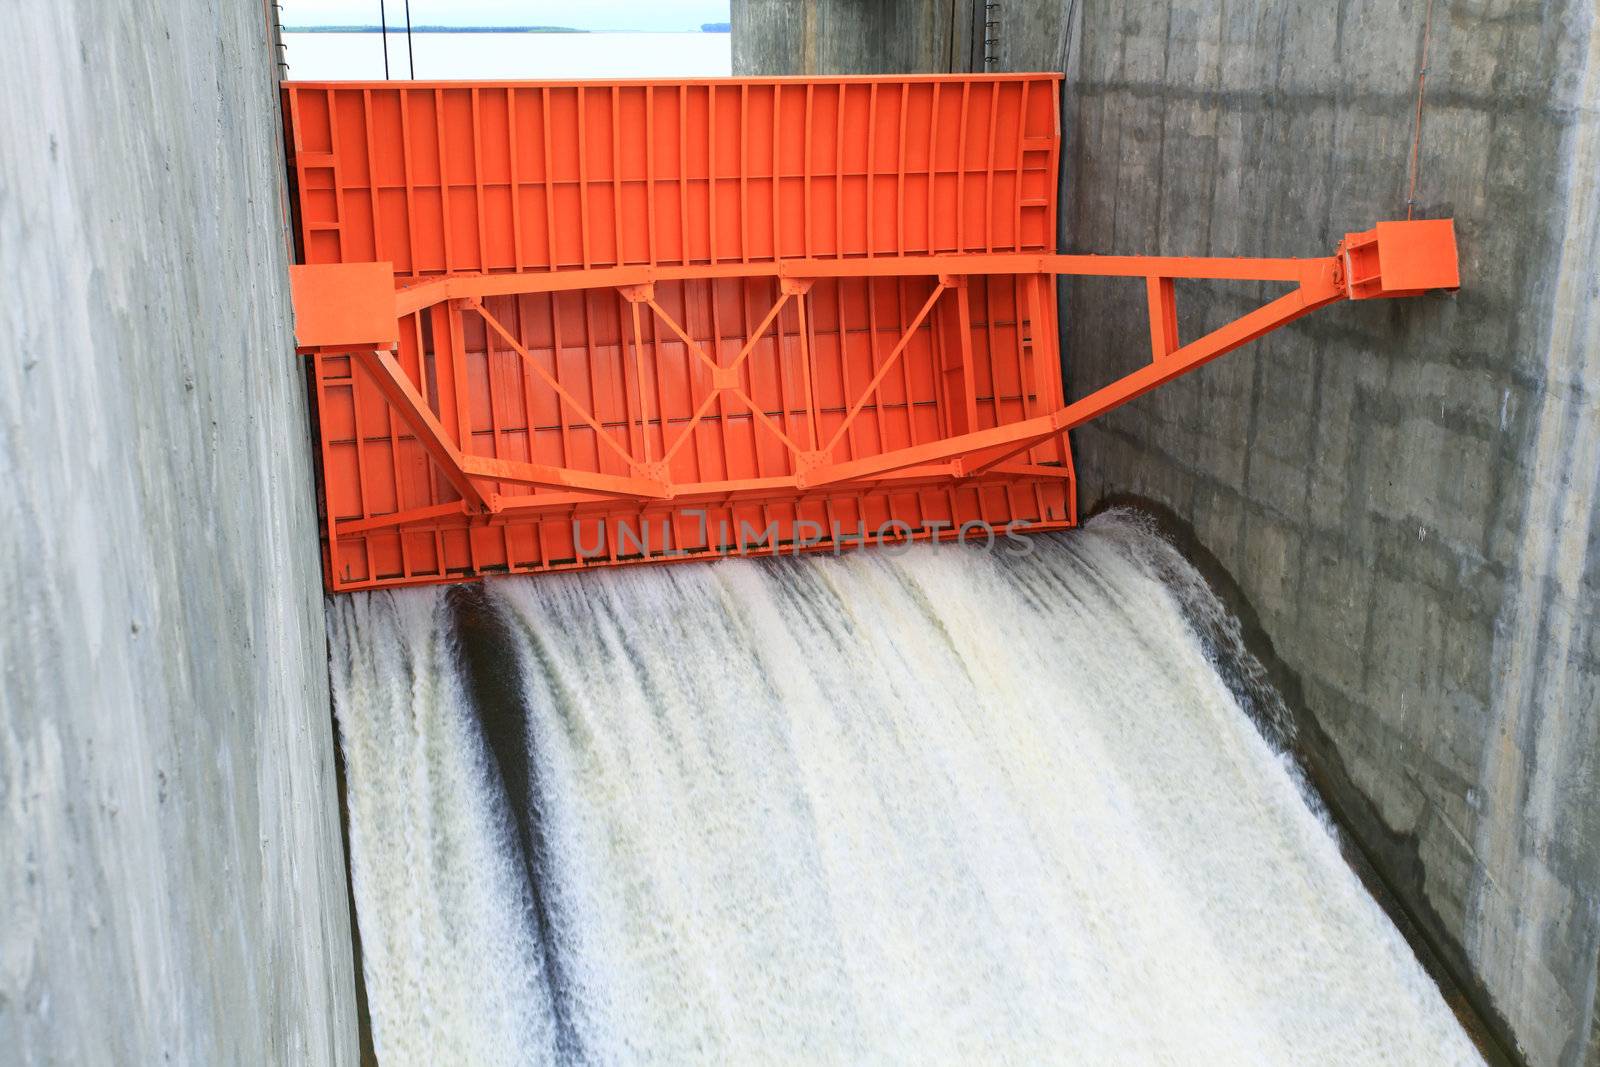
[[452, 962], [942, 806]]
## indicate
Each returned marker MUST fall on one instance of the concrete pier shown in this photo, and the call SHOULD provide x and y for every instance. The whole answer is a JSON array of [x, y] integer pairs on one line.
[[1406, 496], [171, 876]]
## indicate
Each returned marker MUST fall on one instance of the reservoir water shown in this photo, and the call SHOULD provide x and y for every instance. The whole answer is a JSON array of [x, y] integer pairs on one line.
[[520, 56], [940, 805]]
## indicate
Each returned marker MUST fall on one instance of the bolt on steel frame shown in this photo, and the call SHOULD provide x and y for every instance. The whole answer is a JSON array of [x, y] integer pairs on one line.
[[555, 326]]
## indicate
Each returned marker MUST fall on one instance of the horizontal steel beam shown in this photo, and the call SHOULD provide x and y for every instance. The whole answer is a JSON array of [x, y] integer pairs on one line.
[[752, 491], [412, 298]]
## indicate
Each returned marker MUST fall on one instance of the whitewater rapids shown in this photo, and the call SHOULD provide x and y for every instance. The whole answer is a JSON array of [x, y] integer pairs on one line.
[[946, 805]]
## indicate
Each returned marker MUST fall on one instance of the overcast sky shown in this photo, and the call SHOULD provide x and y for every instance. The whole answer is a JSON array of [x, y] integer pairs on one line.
[[600, 15]]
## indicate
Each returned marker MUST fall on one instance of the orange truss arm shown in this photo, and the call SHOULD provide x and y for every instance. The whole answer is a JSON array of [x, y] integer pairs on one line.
[[1393, 259], [1428, 249], [1423, 251]]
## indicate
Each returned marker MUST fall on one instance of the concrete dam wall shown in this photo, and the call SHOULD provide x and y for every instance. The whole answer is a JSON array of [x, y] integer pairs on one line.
[[170, 865], [1407, 501], [1404, 499]]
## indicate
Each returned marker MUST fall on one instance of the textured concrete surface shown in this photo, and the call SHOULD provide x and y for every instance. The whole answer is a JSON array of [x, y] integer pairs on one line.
[[1405, 494], [894, 36], [171, 877], [849, 37]]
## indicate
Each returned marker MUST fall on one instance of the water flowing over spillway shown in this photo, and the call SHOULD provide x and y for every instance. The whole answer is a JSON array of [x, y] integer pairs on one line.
[[943, 805]]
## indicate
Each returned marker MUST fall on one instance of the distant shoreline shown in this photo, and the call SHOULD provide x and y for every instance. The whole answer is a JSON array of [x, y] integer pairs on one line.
[[375, 28], [719, 28]]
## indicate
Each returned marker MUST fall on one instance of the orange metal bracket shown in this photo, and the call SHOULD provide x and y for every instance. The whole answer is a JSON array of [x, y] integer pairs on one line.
[[588, 351], [343, 305], [1401, 259]]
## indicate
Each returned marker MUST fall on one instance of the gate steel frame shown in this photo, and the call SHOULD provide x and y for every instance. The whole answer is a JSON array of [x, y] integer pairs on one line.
[[352, 315]]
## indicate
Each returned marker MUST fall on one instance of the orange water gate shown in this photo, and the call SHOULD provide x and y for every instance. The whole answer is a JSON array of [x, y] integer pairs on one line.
[[555, 326]]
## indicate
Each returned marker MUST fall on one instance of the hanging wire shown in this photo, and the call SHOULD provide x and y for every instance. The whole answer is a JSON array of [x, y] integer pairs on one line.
[[1416, 122], [411, 60], [383, 32]]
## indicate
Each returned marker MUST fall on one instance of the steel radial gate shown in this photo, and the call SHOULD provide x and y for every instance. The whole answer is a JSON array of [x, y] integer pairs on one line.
[[555, 326]]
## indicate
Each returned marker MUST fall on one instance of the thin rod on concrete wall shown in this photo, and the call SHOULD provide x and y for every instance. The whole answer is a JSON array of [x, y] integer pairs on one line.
[[1416, 125]]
